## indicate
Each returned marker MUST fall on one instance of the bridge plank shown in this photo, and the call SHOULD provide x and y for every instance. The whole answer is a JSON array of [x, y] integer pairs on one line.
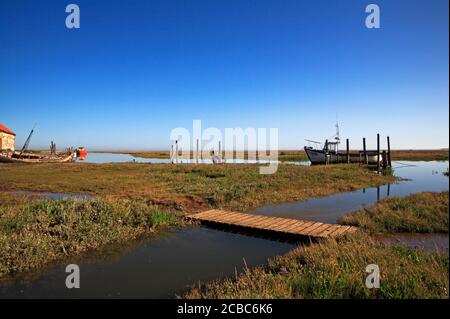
[[276, 224]]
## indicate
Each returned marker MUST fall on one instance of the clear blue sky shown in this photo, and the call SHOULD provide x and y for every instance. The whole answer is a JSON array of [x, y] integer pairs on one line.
[[137, 69]]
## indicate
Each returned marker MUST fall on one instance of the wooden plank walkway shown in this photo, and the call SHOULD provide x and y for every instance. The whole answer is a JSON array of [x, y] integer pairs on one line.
[[274, 224]]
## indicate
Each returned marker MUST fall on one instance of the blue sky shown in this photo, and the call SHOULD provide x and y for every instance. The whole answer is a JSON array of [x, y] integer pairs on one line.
[[137, 69]]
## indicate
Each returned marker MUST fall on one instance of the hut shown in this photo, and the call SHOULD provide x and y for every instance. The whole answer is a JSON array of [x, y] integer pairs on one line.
[[7, 139]]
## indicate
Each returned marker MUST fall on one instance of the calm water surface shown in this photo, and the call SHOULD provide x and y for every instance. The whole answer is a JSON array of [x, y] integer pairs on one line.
[[420, 177], [126, 158]]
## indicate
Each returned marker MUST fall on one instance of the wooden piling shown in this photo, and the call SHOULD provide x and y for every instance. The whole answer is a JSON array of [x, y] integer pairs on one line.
[[176, 152], [389, 152], [365, 151], [196, 155], [348, 151], [385, 160], [326, 152], [378, 152]]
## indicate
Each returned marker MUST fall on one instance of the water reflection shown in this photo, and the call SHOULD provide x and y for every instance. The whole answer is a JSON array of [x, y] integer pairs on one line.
[[155, 268], [414, 177]]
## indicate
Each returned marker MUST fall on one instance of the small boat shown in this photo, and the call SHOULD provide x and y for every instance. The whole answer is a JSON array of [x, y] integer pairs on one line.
[[11, 156], [330, 153], [16, 157]]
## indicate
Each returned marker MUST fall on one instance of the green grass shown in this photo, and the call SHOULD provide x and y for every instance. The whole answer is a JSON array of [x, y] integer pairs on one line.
[[418, 213], [190, 187], [35, 233], [420, 155], [336, 269]]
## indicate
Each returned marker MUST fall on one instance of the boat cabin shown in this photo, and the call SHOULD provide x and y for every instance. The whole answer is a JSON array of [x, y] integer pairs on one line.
[[7, 139]]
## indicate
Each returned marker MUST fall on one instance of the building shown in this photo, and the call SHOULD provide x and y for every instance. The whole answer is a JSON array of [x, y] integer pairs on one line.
[[7, 139]]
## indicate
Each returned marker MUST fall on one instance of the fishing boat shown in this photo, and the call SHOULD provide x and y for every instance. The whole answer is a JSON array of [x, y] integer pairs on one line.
[[329, 153], [11, 156]]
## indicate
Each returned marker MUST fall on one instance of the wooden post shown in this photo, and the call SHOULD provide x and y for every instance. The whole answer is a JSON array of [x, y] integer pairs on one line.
[[385, 160], [365, 151], [326, 152], [348, 151], [389, 152], [378, 152], [196, 154], [176, 152]]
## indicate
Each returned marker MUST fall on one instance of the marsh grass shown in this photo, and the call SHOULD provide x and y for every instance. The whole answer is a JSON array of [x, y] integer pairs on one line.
[[35, 233], [336, 269], [417, 213], [190, 187], [300, 155]]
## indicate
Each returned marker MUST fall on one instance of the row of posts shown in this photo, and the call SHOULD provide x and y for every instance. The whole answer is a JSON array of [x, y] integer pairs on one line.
[[175, 152], [386, 155]]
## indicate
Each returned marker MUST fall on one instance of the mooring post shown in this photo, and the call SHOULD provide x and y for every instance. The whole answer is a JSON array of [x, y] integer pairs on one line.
[[378, 152], [176, 152], [348, 151], [385, 160], [364, 151], [326, 152], [389, 151], [196, 153]]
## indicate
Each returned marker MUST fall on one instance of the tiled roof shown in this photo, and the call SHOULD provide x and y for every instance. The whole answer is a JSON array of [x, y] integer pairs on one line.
[[6, 130]]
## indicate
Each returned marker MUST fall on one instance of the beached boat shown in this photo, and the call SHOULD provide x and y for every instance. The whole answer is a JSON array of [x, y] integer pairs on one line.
[[36, 158], [330, 153], [326, 155]]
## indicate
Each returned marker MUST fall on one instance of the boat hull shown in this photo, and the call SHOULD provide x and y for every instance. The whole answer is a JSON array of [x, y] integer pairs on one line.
[[317, 157], [37, 159]]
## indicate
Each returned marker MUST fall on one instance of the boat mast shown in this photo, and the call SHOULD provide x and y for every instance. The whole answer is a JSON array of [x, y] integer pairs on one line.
[[27, 142], [337, 138]]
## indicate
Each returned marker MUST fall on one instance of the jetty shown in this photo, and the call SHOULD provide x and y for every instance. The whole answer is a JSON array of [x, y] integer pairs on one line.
[[285, 226]]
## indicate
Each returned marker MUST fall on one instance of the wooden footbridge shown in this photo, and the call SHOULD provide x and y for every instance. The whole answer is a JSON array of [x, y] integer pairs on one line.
[[280, 225]]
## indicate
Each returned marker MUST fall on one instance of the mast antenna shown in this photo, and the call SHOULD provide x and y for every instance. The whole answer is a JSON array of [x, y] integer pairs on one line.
[[337, 129]]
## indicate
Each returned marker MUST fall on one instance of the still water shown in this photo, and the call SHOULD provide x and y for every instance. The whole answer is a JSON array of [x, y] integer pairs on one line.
[[164, 266], [120, 158], [126, 158], [416, 177]]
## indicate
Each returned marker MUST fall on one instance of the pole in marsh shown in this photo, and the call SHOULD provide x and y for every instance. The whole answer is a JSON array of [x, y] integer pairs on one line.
[[348, 151], [196, 153], [326, 152], [389, 151], [365, 151], [176, 152], [378, 152], [385, 161]]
